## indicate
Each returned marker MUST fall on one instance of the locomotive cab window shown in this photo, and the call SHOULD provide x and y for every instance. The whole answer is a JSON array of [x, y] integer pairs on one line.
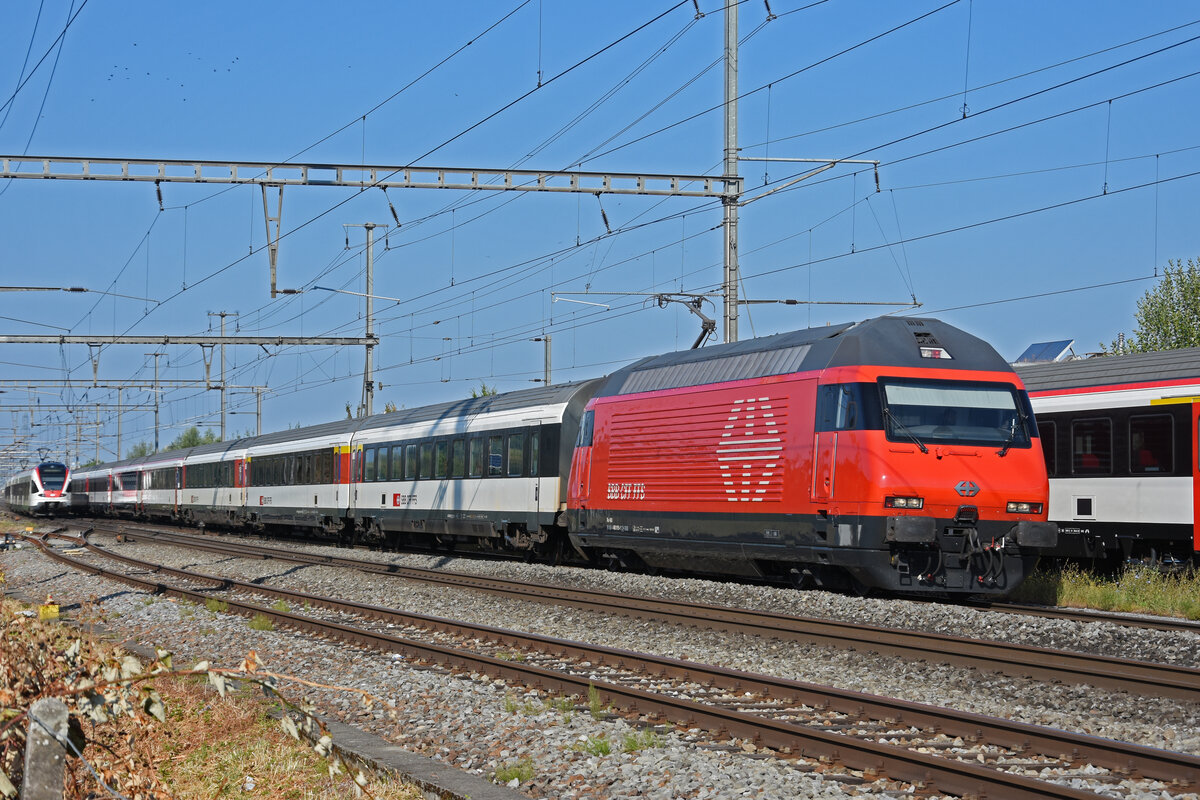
[[957, 412], [585, 429], [1151, 444], [1091, 446]]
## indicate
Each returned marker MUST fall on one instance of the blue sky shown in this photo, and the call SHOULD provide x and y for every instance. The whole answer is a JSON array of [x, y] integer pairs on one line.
[[1072, 168]]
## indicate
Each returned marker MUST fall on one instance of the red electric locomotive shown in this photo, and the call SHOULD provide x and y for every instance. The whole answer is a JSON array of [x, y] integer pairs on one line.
[[894, 453]]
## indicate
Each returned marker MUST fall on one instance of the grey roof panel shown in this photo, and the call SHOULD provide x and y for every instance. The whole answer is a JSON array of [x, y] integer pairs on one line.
[[892, 341], [1112, 370]]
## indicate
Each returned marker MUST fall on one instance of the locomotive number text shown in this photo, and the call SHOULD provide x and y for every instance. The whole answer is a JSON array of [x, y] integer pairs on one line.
[[627, 491]]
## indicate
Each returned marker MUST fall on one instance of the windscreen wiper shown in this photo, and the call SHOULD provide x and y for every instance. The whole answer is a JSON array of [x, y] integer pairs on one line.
[[1012, 437], [887, 412]]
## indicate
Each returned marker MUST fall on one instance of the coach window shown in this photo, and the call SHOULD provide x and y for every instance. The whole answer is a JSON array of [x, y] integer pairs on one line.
[[396, 470], [369, 464], [427, 460], [458, 458], [476, 460], [1151, 440], [1091, 446], [495, 456], [411, 457], [1048, 432], [516, 454], [442, 459], [381, 464], [533, 453]]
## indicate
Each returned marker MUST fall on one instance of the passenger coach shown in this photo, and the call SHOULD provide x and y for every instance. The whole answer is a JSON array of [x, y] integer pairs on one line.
[[1120, 440]]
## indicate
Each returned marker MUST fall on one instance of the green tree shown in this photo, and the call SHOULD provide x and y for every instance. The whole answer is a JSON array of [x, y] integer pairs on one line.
[[139, 450], [192, 438], [1168, 315], [484, 390]]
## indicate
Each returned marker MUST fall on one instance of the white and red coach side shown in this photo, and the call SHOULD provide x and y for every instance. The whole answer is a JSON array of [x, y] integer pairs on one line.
[[1120, 435]]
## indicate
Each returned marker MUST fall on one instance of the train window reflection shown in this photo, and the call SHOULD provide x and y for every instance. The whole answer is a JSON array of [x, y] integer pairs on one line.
[[959, 412], [1091, 446], [1048, 432], [1151, 444]]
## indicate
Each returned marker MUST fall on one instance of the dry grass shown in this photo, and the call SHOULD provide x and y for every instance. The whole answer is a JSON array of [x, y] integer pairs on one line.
[[1137, 590], [207, 747], [215, 747]]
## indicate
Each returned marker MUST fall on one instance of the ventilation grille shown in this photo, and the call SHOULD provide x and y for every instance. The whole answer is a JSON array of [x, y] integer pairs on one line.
[[716, 370]]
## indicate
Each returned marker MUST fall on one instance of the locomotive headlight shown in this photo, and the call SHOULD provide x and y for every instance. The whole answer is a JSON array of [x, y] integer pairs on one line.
[[904, 502], [1015, 507]]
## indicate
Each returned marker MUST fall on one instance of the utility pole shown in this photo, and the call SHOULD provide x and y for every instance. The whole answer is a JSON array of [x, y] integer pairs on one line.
[[368, 404], [97, 433], [222, 315], [730, 200], [156, 355], [119, 415], [545, 338]]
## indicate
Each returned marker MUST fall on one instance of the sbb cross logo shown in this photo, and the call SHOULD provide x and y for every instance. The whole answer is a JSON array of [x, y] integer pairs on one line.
[[967, 488]]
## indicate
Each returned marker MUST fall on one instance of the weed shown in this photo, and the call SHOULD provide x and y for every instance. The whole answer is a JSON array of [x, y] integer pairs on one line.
[[644, 740], [1137, 589], [520, 770], [216, 606], [147, 601], [600, 746], [261, 622], [596, 706], [563, 704], [281, 606], [510, 705], [505, 655]]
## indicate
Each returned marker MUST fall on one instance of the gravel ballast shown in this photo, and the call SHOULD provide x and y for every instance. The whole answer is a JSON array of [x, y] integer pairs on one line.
[[481, 725]]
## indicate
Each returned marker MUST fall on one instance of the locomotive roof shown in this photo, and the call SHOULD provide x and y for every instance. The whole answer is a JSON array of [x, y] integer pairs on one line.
[[1110, 370], [892, 341]]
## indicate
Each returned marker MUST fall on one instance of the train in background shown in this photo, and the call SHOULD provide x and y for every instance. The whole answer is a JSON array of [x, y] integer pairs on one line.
[[40, 491], [892, 454], [1120, 438]]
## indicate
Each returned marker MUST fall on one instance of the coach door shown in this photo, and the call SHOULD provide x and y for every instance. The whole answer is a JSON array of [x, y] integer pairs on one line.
[[1195, 475], [178, 489], [824, 456]]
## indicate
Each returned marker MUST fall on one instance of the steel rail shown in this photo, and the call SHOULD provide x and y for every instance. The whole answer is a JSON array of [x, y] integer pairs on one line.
[[1040, 663], [898, 763], [1080, 615]]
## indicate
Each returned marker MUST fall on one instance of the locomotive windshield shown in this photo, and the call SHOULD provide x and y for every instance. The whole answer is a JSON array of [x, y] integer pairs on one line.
[[53, 476], [953, 412]]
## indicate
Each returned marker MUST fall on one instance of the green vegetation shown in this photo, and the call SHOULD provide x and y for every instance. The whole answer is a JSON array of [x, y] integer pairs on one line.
[[1167, 314], [600, 746], [192, 438], [520, 770], [216, 606], [596, 707], [1137, 590], [281, 606], [261, 622], [644, 740]]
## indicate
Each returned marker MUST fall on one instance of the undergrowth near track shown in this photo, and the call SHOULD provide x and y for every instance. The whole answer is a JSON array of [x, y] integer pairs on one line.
[[1136, 590], [151, 733]]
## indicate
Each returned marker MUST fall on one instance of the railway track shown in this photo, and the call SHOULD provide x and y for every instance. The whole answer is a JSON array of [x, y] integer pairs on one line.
[[1158, 680], [873, 735]]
